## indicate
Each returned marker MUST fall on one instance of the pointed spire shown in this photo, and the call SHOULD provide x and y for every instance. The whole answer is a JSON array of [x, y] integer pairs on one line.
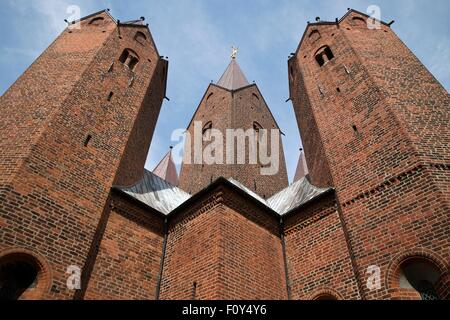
[[233, 78], [302, 168], [167, 170]]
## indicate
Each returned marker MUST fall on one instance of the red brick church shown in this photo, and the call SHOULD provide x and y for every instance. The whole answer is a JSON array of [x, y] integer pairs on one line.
[[367, 217]]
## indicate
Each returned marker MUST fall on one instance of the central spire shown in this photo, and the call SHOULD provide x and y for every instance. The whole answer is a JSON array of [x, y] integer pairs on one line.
[[233, 78]]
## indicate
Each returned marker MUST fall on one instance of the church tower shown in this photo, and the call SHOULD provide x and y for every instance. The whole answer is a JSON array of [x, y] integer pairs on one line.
[[374, 125], [79, 120], [233, 103]]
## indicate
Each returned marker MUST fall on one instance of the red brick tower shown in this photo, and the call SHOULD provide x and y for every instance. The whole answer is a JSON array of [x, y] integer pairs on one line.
[[78, 120], [233, 103], [375, 125]]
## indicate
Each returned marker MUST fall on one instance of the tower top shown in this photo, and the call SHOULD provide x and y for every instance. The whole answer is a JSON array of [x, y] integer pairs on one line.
[[233, 78], [166, 169], [234, 52]]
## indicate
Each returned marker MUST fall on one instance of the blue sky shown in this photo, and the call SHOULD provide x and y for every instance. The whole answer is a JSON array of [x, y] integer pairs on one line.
[[197, 35]]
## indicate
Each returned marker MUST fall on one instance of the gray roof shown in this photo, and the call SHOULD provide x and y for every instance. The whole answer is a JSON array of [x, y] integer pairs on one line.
[[294, 196], [164, 197], [157, 193], [233, 78]]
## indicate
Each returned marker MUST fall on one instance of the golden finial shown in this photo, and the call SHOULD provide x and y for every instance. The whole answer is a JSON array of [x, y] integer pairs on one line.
[[234, 52]]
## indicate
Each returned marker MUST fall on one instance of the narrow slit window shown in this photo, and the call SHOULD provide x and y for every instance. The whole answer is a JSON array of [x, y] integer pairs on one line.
[[111, 94], [88, 140]]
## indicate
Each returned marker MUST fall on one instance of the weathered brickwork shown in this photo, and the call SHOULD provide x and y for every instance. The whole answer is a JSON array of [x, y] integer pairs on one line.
[[77, 125], [318, 257], [381, 131], [61, 156], [224, 248], [237, 109], [129, 260]]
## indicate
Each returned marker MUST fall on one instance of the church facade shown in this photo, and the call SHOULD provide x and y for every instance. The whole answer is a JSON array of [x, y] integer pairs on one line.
[[367, 217]]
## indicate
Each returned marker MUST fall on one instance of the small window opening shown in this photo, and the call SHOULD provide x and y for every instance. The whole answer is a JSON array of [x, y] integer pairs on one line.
[[129, 58], [88, 140], [140, 37], [111, 94], [207, 130], [355, 129], [16, 277], [422, 275], [97, 21], [325, 297], [133, 63], [111, 68], [257, 127], [347, 70], [324, 55], [360, 22], [194, 291], [314, 35], [130, 84], [123, 58], [338, 89], [321, 91], [320, 60]]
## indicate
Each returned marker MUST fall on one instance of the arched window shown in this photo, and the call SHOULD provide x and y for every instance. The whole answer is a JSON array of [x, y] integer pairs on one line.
[[129, 58], [324, 55], [255, 100], [18, 275], [97, 21], [207, 130], [421, 275], [258, 130], [325, 296], [359, 22], [314, 35], [208, 100], [140, 37]]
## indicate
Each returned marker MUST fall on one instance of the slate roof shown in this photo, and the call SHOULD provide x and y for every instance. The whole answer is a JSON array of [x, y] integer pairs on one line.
[[165, 198], [156, 193], [233, 78], [294, 196]]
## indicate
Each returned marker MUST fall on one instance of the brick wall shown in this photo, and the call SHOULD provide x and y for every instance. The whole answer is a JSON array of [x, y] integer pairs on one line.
[[317, 253], [381, 125], [234, 110], [129, 259], [229, 248], [54, 188]]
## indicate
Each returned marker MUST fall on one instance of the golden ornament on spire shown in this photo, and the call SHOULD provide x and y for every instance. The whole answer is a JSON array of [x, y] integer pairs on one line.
[[234, 52]]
